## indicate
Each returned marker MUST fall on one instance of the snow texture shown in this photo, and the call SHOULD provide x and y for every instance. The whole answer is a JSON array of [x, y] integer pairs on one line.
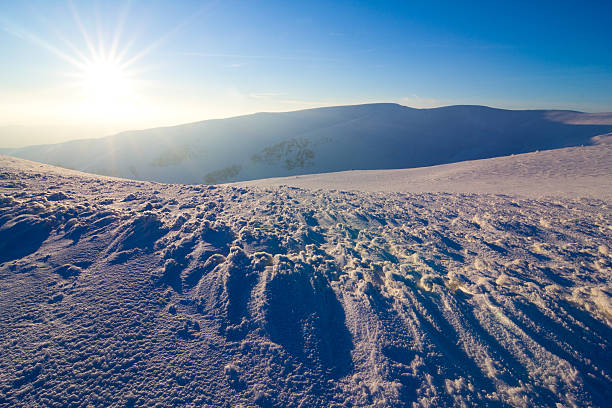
[[125, 293]]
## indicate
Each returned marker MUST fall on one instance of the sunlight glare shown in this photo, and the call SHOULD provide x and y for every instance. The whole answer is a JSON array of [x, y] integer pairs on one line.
[[104, 81]]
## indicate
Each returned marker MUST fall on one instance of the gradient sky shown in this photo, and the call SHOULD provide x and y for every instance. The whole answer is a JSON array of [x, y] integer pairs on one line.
[[193, 60]]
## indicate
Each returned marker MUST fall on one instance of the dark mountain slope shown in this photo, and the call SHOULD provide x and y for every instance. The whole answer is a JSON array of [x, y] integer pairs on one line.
[[376, 136]]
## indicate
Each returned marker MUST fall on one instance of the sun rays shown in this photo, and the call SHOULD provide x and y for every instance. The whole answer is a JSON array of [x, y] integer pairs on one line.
[[102, 72], [104, 83], [105, 56]]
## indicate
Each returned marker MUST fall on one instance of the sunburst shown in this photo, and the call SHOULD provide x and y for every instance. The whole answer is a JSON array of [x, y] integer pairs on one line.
[[107, 79], [105, 83]]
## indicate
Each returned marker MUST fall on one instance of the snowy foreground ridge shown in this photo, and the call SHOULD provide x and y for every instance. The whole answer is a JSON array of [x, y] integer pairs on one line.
[[124, 293]]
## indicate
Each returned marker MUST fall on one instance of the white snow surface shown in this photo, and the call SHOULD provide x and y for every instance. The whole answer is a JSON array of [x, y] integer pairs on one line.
[[569, 172], [126, 293]]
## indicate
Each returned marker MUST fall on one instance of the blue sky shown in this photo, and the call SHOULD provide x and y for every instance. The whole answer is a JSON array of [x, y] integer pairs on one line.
[[192, 60]]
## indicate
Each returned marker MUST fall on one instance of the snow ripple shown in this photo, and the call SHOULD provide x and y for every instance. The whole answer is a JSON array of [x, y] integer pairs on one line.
[[225, 296]]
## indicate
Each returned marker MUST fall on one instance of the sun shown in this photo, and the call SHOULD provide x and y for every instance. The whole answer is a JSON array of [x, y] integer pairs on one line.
[[104, 82]]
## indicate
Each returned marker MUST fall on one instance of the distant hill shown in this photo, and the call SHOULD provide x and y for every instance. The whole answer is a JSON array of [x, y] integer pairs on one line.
[[373, 136]]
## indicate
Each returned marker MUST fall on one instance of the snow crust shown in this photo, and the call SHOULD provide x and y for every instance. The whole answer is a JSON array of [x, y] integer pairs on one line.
[[125, 293]]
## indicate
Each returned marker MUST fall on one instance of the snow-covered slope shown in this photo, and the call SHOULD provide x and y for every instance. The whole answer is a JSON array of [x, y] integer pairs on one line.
[[375, 136], [124, 293], [569, 172]]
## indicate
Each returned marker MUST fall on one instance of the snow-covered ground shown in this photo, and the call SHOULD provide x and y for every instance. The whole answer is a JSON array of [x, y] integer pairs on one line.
[[125, 293], [570, 172]]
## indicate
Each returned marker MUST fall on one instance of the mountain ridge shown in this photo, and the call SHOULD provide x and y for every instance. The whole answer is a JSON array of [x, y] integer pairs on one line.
[[318, 140]]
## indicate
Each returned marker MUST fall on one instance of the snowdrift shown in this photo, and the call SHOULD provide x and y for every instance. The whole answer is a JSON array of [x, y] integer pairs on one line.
[[125, 293], [364, 137]]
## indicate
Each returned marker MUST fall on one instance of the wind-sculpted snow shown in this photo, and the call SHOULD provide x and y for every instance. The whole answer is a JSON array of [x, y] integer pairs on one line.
[[127, 293]]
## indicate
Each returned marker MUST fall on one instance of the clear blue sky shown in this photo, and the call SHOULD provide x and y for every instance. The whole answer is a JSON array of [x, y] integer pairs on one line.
[[191, 60]]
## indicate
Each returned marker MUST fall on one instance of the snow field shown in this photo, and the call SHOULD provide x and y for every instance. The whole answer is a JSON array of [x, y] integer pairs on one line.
[[117, 292]]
